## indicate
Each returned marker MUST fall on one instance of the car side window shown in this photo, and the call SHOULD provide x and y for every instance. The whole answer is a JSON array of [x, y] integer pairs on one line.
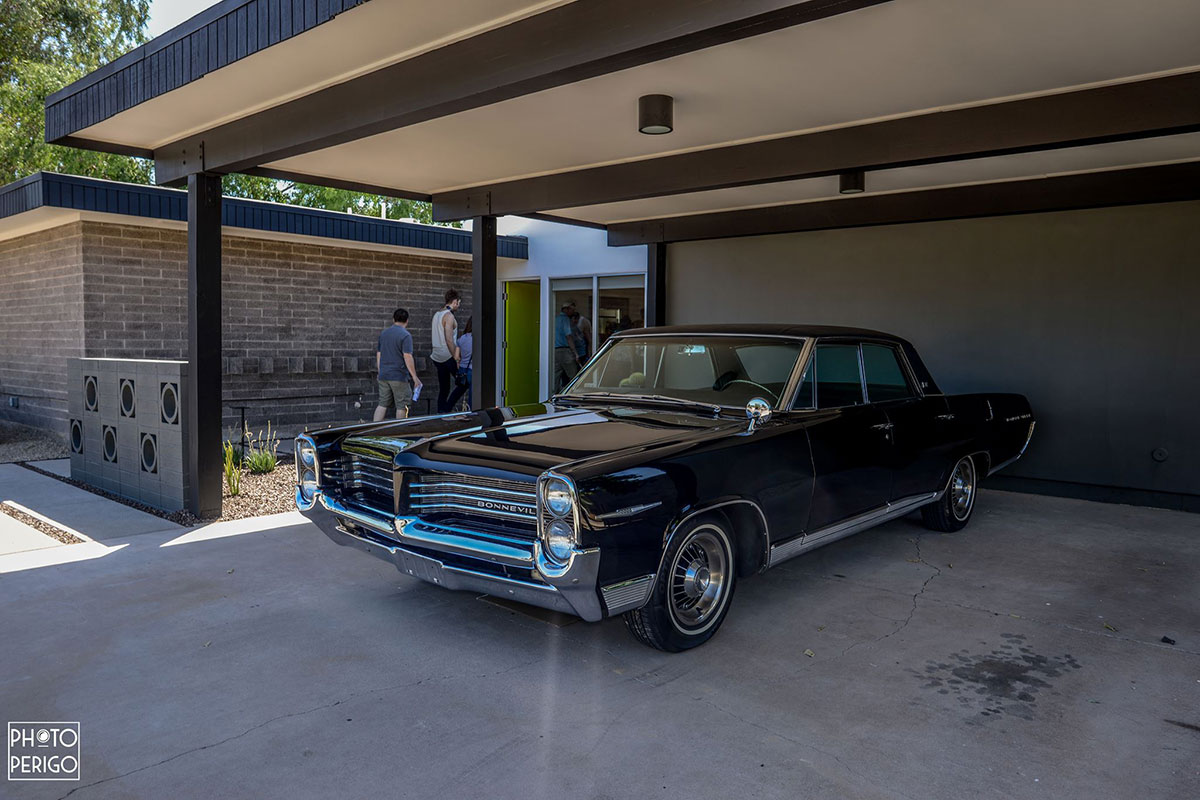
[[885, 376], [838, 377]]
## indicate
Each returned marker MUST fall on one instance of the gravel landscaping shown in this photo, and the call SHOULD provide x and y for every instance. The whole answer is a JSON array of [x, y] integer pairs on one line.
[[268, 493], [23, 443], [53, 531]]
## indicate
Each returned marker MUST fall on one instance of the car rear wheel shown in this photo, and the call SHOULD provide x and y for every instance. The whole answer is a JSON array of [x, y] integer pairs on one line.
[[692, 592], [953, 511]]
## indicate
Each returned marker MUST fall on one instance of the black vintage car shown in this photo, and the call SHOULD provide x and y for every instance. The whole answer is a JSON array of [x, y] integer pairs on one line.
[[680, 460]]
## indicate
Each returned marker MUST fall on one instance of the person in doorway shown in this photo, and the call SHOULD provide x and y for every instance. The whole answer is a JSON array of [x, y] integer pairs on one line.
[[394, 363], [462, 381], [445, 341], [583, 330], [566, 355]]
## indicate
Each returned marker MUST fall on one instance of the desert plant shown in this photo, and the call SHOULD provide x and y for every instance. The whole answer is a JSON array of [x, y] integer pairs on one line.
[[232, 468], [260, 456]]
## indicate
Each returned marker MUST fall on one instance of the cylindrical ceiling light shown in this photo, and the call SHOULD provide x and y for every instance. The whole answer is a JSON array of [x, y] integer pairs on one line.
[[656, 114], [852, 182]]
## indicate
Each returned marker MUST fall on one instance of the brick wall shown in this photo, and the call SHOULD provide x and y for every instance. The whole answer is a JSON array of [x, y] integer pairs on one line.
[[41, 323], [301, 320]]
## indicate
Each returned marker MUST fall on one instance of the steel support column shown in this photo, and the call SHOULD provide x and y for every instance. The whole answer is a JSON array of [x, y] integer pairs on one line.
[[656, 284], [203, 402], [484, 300]]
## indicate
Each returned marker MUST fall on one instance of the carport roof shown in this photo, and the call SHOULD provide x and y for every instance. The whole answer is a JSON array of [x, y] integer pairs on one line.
[[489, 107], [51, 190]]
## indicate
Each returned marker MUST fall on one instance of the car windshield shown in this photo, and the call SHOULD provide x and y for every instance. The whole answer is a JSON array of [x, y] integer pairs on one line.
[[715, 370]]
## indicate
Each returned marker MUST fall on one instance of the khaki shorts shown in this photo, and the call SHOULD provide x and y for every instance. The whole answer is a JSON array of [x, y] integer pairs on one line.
[[395, 393]]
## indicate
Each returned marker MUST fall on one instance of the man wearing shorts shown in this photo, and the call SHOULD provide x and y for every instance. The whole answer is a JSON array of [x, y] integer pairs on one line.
[[397, 372]]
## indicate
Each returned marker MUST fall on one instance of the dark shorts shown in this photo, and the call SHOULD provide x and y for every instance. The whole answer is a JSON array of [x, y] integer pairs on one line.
[[395, 393]]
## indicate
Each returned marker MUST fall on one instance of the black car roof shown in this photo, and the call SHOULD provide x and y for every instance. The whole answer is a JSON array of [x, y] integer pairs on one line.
[[763, 329]]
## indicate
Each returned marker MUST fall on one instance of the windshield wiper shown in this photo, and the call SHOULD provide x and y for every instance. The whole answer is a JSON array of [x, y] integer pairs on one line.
[[711, 408]]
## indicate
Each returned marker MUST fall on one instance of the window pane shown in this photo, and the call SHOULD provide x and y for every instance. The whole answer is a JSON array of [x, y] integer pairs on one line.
[[570, 329], [621, 306], [838, 381], [885, 377], [763, 363], [709, 369]]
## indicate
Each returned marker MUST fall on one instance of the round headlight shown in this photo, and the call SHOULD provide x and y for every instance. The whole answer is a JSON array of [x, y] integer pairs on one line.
[[308, 485], [558, 497], [560, 540], [308, 456]]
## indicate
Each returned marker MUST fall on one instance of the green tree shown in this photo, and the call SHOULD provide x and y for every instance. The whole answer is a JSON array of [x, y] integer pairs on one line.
[[45, 45], [305, 194]]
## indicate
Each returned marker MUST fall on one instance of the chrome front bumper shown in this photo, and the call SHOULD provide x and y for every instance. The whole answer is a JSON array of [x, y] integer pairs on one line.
[[570, 589]]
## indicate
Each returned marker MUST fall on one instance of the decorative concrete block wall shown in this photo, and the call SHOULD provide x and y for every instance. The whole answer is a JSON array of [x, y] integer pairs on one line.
[[126, 429]]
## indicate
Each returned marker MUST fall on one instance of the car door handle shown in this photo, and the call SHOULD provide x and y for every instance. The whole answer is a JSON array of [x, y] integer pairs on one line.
[[883, 426], [946, 417]]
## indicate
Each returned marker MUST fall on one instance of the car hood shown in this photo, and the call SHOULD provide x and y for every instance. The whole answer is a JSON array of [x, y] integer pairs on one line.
[[532, 438]]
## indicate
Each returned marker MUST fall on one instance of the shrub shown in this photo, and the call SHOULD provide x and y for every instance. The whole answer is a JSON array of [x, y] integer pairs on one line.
[[260, 456], [233, 468]]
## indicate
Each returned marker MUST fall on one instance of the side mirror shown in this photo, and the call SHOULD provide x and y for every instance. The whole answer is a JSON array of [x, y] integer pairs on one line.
[[758, 411]]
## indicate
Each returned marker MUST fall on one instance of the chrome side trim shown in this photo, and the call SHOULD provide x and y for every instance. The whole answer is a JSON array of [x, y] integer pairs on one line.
[[626, 595], [632, 511], [848, 527], [1025, 446]]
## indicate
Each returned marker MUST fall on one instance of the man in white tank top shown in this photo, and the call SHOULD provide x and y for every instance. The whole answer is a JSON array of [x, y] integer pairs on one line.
[[445, 349]]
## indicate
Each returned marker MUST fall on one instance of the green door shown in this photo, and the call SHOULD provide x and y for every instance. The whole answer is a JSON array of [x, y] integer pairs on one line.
[[522, 321]]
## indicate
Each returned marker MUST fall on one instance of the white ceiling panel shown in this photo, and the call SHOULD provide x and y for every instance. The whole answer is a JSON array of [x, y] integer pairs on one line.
[[898, 58], [363, 39]]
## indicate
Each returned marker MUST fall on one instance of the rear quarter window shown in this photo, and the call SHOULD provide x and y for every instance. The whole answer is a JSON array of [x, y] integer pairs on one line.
[[886, 379]]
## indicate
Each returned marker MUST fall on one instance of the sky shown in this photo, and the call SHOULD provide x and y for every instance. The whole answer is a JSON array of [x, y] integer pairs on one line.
[[166, 14]]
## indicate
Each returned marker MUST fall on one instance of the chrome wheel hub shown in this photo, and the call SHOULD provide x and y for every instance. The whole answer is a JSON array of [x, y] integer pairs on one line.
[[696, 579], [699, 578], [962, 489]]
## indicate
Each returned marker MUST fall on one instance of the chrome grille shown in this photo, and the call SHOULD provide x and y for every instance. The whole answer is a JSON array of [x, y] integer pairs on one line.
[[353, 474], [495, 498]]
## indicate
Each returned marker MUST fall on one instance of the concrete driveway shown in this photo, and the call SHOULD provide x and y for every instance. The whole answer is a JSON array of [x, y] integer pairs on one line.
[[1021, 658]]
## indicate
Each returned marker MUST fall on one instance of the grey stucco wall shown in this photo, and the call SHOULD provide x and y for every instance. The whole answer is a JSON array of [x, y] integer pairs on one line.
[[1094, 315]]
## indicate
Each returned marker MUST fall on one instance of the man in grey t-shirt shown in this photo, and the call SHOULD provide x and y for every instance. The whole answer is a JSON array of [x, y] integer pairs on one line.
[[397, 372]]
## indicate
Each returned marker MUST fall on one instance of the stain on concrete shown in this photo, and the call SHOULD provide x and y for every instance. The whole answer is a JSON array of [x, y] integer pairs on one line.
[[1009, 680]]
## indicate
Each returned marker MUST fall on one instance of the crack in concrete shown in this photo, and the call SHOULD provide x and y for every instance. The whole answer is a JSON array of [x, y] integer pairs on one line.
[[937, 571], [323, 706]]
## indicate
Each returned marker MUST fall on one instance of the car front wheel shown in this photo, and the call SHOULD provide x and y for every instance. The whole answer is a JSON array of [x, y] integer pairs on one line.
[[692, 592], [953, 511]]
